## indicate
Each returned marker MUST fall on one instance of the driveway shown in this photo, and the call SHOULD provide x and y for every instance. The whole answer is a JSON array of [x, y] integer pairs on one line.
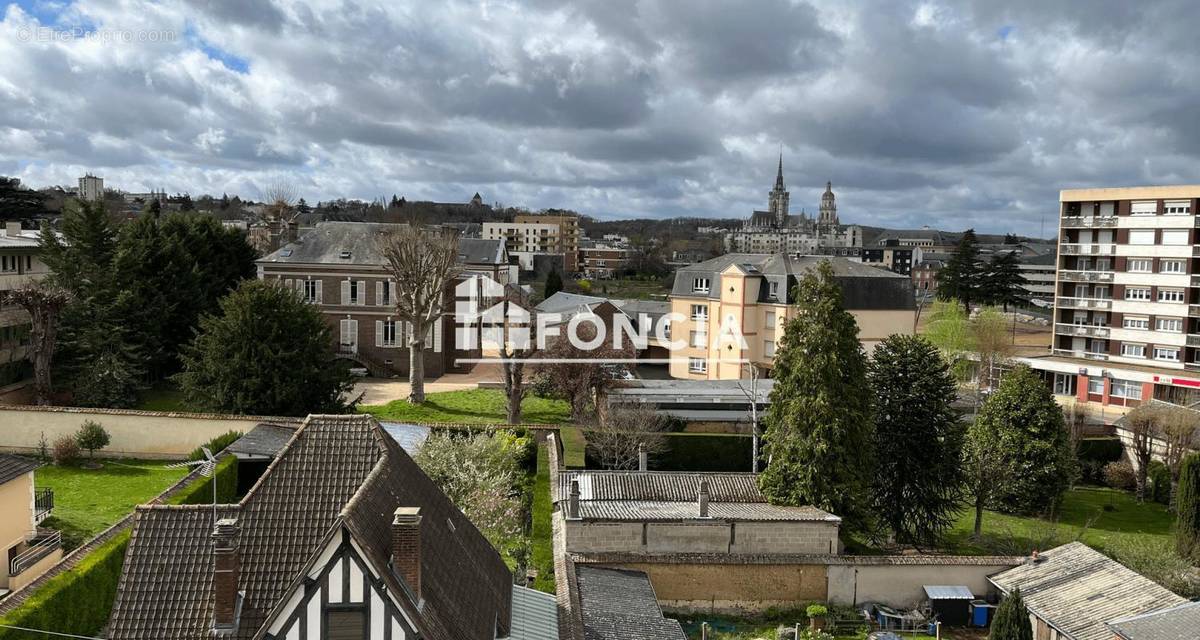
[[385, 390]]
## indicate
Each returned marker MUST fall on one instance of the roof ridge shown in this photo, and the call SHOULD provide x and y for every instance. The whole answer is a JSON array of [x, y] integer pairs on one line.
[[279, 457]]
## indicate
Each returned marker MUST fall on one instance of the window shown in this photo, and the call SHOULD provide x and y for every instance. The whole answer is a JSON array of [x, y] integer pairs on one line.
[[770, 321], [1141, 236], [1137, 293], [1170, 354], [1096, 385], [1141, 265], [773, 289], [1176, 236], [700, 285], [769, 348], [1171, 266], [1177, 207], [356, 292], [1128, 389], [345, 624], [1145, 208], [385, 293], [388, 339], [699, 339], [310, 291], [700, 312], [1170, 295], [1106, 209], [697, 365], [1174, 325], [1132, 350], [1135, 322]]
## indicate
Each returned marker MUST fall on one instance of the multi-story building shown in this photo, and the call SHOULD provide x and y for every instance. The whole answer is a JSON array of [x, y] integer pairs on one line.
[[890, 254], [530, 235], [91, 188], [753, 295], [337, 266], [19, 266], [602, 260], [568, 236], [1126, 305]]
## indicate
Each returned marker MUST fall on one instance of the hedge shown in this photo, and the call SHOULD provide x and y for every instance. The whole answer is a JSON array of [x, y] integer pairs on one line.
[[200, 492], [699, 452], [541, 532], [1094, 453], [77, 601]]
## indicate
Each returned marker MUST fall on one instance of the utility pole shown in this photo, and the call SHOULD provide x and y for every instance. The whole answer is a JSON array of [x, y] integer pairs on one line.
[[752, 395]]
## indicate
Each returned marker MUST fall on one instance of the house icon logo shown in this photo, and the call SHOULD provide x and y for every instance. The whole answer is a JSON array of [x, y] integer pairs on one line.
[[485, 320]]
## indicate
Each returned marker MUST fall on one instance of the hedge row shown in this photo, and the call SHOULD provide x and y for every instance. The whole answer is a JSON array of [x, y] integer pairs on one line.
[[698, 452], [77, 601], [200, 492]]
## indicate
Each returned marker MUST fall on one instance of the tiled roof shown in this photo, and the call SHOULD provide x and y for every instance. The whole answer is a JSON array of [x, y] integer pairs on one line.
[[1176, 623], [1076, 589], [15, 466], [618, 604], [263, 440], [337, 471]]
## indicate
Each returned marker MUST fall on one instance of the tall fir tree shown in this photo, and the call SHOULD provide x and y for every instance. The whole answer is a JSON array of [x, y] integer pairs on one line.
[[1012, 619], [960, 279], [1187, 506], [919, 483], [17, 202], [1002, 281], [554, 284], [1032, 437], [818, 428]]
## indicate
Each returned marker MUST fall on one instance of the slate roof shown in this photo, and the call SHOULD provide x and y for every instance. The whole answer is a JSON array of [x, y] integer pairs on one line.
[[618, 604], [263, 440], [12, 467], [329, 242], [1176, 623], [337, 472], [1077, 589], [863, 287]]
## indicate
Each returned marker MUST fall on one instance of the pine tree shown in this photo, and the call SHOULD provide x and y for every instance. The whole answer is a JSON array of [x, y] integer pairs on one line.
[[1187, 505], [918, 484], [1032, 439], [554, 284], [818, 429], [1012, 619], [961, 277], [1002, 281]]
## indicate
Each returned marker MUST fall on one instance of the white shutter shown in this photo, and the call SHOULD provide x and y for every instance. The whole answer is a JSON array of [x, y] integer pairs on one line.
[[362, 292], [379, 333], [318, 292], [429, 337], [300, 287], [437, 337], [379, 293], [345, 292]]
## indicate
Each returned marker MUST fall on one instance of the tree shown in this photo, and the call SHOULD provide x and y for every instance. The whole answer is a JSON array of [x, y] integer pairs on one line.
[[990, 334], [918, 484], [91, 437], [626, 431], [266, 353], [985, 467], [1012, 619], [1010, 238], [17, 202], [1002, 283], [1180, 437], [1032, 438], [1145, 424], [580, 374], [960, 278], [423, 262], [517, 342], [1187, 501], [818, 427], [554, 284], [949, 329], [44, 303]]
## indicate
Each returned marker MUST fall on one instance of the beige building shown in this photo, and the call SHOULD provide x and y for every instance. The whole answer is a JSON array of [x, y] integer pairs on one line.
[[752, 295], [530, 234], [19, 266], [31, 549]]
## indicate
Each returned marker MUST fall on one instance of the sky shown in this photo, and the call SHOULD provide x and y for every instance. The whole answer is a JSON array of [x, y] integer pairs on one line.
[[956, 114]]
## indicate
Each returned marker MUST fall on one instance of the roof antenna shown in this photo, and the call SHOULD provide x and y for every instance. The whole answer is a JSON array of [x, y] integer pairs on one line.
[[208, 467]]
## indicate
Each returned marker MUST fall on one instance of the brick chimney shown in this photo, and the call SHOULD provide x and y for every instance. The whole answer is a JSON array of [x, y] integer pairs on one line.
[[703, 499], [406, 547], [573, 501], [643, 458], [226, 567]]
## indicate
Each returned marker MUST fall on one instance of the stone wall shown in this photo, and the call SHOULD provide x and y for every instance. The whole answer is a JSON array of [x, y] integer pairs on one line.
[[700, 536], [900, 583], [733, 588]]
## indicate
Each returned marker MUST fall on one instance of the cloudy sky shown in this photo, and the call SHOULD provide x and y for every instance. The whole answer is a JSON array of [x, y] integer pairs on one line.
[[949, 114]]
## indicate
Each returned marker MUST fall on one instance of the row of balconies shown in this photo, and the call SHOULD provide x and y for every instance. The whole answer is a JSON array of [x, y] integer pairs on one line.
[[1075, 275], [1086, 330], [1089, 222], [1080, 353], [1079, 249], [1101, 304]]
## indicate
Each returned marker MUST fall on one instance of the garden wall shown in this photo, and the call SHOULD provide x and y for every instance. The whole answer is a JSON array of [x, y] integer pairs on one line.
[[135, 434], [898, 581]]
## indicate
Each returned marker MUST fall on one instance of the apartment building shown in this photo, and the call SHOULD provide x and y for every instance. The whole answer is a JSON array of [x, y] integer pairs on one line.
[[892, 255], [338, 267], [602, 260], [91, 188], [1126, 310], [533, 234], [754, 294], [19, 266]]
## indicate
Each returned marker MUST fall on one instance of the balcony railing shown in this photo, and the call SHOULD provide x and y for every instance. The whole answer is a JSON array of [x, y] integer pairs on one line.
[[1194, 310], [1088, 249], [42, 543], [1085, 303], [1080, 353], [1073, 275], [1089, 222], [1193, 340], [1087, 330], [43, 503]]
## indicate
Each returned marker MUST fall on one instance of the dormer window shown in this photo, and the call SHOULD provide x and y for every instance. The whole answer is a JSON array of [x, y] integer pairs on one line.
[[773, 290], [700, 285]]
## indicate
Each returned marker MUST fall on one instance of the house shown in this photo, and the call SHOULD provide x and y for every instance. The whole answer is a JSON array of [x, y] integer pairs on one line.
[[1073, 591], [337, 267], [343, 537], [31, 549], [1177, 623]]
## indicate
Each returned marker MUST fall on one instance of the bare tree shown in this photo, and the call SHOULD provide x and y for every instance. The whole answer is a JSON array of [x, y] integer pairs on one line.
[[751, 392], [579, 373], [626, 431], [1144, 424], [279, 197], [515, 349], [44, 302], [1179, 434], [990, 330], [422, 261]]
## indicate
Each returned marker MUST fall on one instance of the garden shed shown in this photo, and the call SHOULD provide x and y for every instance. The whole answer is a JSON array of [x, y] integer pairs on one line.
[[951, 605]]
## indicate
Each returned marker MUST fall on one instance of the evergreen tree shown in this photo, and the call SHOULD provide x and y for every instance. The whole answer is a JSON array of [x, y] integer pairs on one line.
[[818, 428], [185, 203], [961, 277], [1187, 505], [17, 202], [1002, 282], [1012, 619], [918, 484], [266, 353], [154, 209], [302, 207], [1033, 443], [554, 284]]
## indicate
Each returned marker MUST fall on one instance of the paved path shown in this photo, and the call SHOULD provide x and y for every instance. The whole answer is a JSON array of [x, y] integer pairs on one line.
[[385, 390]]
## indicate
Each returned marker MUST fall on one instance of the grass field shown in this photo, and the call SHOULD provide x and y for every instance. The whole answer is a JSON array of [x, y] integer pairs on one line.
[[541, 550], [631, 289], [475, 406], [87, 501]]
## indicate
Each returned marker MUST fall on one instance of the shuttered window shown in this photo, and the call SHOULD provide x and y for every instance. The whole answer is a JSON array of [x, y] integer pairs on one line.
[[345, 624]]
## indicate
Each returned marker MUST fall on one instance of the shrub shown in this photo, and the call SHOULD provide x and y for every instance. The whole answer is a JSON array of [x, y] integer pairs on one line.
[[812, 634], [1160, 483], [216, 445], [64, 451], [1120, 475], [1093, 454], [91, 436], [816, 610], [1187, 505]]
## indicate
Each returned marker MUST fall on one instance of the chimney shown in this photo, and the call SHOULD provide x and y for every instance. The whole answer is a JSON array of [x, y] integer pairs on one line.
[[573, 501], [643, 458], [703, 499], [226, 566], [12, 229], [406, 547], [293, 230]]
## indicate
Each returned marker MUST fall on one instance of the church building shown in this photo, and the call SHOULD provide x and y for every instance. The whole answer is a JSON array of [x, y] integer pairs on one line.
[[776, 231]]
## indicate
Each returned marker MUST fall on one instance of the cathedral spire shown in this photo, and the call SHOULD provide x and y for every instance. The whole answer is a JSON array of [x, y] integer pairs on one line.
[[777, 202], [779, 175]]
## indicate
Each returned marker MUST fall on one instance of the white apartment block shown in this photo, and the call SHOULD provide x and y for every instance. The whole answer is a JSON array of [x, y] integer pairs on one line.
[[525, 239], [91, 188]]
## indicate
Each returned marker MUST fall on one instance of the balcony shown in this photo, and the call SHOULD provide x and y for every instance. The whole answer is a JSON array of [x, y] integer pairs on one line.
[[1087, 249], [1193, 340], [38, 545], [1101, 304], [1194, 310], [1085, 276], [1080, 353], [1088, 222], [43, 503], [1087, 330]]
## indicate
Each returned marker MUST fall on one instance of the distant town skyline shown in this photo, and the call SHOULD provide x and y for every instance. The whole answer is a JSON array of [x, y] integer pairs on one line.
[[948, 115]]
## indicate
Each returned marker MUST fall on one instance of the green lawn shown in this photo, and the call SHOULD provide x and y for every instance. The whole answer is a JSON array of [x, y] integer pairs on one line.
[[574, 446], [631, 289], [475, 406], [87, 502], [541, 545]]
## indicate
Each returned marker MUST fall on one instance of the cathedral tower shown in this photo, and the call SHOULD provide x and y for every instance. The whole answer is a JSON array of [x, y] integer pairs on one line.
[[828, 216], [777, 199]]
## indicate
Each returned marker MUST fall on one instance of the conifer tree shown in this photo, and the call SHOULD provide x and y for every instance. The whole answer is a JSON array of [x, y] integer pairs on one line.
[[962, 276], [1002, 281], [1012, 619], [1187, 504], [554, 284]]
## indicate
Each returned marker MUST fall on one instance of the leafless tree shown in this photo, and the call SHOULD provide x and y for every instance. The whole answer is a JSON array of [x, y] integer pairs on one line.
[[279, 197], [422, 261], [515, 349], [1178, 434], [44, 302], [626, 430], [1144, 423], [750, 390], [578, 373]]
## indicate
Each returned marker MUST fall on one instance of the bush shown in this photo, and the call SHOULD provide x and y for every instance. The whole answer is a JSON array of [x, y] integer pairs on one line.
[[816, 610], [64, 451], [91, 436], [1093, 454], [707, 452], [216, 445], [1120, 475], [1160, 482]]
